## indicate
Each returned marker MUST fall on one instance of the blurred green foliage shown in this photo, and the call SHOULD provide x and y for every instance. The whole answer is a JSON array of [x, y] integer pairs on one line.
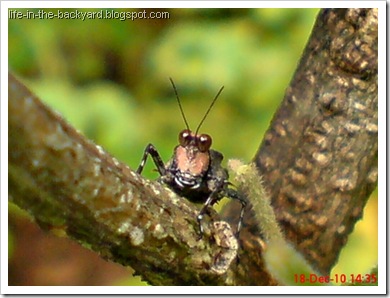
[[109, 78]]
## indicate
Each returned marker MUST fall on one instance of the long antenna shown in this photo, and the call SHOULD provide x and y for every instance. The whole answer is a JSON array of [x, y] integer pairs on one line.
[[208, 110], [178, 101]]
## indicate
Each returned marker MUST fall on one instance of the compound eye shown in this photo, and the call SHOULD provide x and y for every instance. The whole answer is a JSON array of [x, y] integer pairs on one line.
[[185, 137], [204, 142]]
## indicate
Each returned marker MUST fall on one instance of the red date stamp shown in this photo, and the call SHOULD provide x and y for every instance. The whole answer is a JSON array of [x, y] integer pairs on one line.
[[336, 278]]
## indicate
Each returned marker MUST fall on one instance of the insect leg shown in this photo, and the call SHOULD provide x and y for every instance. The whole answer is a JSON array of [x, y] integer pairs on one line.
[[150, 149], [233, 194], [209, 202]]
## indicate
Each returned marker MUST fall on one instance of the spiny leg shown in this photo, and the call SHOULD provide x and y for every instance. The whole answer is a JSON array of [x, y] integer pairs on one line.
[[209, 202], [233, 194], [150, 149], [229, 193]]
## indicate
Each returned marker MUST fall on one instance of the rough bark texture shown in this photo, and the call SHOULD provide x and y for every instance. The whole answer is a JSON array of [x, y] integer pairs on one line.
[[71, 186], [318, 159]]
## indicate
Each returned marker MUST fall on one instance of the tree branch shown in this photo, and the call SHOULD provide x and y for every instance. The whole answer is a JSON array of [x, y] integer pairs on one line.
[[319, 157], [72, 186]]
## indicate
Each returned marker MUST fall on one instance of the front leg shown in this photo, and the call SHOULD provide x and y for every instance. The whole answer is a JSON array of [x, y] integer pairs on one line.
[[216, 186], [209, 202], [216, 196], [235, 195], [150, 149]]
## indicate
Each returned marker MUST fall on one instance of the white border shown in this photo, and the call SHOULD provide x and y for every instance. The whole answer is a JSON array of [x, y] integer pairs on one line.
[[382, 152], [381, 289], [193, 4]]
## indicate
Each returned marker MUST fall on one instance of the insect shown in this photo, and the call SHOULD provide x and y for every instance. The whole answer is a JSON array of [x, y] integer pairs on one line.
[[195, 170]]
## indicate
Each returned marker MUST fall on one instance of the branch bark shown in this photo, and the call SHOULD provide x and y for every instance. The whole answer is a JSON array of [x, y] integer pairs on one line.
[[72, 186], [319, 157], [318, 160]]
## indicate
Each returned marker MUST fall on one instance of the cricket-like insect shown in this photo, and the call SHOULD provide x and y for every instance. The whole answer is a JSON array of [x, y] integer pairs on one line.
[[195, 170]]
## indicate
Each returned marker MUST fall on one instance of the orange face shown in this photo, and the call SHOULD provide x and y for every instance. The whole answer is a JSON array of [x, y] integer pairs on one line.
[[192, 155], [192, 160]]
